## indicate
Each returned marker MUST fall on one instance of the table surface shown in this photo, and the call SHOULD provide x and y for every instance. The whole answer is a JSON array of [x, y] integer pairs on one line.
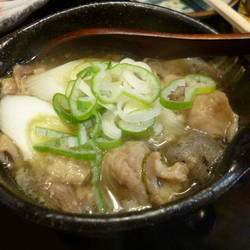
[[225, 224]]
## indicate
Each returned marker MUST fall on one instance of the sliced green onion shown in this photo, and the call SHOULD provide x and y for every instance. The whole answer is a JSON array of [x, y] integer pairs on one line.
[[135, 127], [61, 106], [50, 133], [137, 82], [69, 141], [96, 178], [88, 72], [137, 63], [105, 143], [69, 88], [194, 84], [109, 127], [81, 100], [106, 89], [61, 147], [96, 131], [141, 114], [109, 64], [82, 134], [134, 81]]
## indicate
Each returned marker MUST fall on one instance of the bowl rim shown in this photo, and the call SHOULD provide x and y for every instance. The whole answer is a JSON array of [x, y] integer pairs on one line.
[[118, 221]]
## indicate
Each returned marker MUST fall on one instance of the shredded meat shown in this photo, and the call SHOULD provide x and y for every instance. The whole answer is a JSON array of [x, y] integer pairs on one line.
[[20, 71], [9, 151], [65, 170], [164, 182], [8, 86], [86, 198], [199, 151], [66, 197], [213, 115], [122, 173], [169, 70], [62, 195], [15, 85]]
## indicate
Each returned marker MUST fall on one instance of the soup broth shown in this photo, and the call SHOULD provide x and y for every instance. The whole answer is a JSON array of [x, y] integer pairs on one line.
[[111, 134]]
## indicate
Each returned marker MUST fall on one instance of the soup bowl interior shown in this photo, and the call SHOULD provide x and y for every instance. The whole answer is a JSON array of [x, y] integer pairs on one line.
[[25, 44]]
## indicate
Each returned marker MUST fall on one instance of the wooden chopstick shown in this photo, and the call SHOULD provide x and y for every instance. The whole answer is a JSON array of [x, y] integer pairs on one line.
[[233, 17]]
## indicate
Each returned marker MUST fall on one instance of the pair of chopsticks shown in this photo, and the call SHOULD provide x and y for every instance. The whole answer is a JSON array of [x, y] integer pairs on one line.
[[233, 17]]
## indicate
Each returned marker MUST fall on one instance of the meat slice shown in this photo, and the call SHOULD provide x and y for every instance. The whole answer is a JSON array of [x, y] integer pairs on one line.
[[9, 152], [122, 173], [8, 86], [164, 182], [169, 70], [213, 115], [20, 73], [65, 197], [198, 150], [15, 85], [64, 169]]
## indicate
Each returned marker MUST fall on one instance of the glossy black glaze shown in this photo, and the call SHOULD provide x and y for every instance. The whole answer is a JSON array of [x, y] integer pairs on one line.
[[25, 43]]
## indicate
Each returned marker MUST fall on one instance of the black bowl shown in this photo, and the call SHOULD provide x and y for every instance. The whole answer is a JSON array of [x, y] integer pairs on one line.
[[24, 44]]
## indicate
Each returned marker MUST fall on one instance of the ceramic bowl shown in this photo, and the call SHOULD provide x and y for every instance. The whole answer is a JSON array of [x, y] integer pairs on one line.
[[25, 43]]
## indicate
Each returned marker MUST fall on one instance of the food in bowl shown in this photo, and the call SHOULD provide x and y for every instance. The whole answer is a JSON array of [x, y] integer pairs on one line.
[[98, 135]]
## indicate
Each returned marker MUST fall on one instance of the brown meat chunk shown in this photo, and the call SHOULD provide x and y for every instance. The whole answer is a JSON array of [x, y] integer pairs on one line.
[[15, 85], [199, 151], [213, 115], [169, 70], [164, 182], [8, 86], [122, 173], [66, 197], [9, 151], [86, 198], [64, 169], [61, 195], [20, 72]]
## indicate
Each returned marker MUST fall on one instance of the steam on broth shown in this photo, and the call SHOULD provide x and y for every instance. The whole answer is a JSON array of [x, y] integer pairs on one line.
[[104, 135]]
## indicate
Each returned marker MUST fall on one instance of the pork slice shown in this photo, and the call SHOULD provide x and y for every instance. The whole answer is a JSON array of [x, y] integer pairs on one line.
[[63, 196], [9, 152], [164, 182], [65, 170], [213, 115], [38, 184], [122, 173], [8, 86]]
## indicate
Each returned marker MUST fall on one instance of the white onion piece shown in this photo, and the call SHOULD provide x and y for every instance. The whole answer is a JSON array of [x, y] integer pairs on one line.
[[16, 113], [135, 83], [84, 87], [139, 115], [135, 127], [109, 127], [137, 63], [71, 141], [111, 107], [45, 85]]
